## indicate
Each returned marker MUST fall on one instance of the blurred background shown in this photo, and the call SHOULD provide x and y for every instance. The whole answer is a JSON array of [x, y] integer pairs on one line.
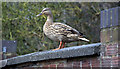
[[20, 23]]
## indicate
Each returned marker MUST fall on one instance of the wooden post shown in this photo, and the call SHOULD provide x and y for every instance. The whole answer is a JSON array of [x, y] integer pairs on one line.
[[110, 37]]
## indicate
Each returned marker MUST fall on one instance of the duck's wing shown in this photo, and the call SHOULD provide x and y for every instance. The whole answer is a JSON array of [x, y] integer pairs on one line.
[[67, 31], [63, 29]]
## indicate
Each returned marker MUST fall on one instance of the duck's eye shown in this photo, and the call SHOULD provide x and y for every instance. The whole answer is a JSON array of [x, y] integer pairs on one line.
[[46, 9]]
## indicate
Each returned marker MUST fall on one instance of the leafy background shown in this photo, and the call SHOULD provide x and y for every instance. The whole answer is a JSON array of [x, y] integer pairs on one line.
[[20, 23]]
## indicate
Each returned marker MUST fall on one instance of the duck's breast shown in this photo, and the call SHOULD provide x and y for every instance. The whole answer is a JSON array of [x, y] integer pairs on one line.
[[50, 33]]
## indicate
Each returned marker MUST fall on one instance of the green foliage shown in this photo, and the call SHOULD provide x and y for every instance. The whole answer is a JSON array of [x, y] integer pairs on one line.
[[21, 24]]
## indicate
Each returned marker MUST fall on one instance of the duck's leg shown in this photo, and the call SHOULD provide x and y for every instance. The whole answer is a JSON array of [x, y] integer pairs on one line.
[[59, 46], [63, 45]]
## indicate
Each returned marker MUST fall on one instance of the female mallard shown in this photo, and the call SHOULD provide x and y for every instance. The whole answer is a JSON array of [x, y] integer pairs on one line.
[[58, 31]]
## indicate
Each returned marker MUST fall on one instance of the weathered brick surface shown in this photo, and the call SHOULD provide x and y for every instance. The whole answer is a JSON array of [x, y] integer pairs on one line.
[[46, 66], [110, 53], [105, 35], [110, 39], [110, 62], [85, 63], [60, 65], [112, 49], [109, 34], [106, 62], [53, 65], [95, 62], [76, 64]]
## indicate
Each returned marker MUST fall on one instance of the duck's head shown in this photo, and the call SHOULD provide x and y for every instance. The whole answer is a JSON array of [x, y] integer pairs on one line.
[[45, 11]]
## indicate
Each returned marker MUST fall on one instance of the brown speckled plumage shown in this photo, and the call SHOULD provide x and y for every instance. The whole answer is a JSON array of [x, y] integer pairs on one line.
[[58, 31]]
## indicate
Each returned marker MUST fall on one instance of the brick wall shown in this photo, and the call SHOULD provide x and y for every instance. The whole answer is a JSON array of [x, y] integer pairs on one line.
[[78, 62], [110, 40]]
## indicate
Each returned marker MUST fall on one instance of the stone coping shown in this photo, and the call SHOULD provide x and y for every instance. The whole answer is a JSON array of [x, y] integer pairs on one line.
[[68, 52]]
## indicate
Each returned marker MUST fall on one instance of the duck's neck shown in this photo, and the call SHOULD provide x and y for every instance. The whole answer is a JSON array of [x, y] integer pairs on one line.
[[49, 19]]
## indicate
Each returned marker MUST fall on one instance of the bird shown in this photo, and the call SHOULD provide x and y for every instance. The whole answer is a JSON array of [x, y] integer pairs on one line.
[[60, 32]]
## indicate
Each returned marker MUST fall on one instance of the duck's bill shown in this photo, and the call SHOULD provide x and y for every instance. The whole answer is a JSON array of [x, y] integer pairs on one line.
[[39, 14]]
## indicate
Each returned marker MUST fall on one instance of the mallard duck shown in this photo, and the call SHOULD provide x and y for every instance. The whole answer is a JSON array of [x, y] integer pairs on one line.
[[59, 31]]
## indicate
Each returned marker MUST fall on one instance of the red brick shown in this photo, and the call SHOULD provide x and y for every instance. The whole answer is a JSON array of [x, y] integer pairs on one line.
[[95, 62], [115, 64], [76, 64], [60, 65], [115, 58], [111, 47], [115, 61], [52, 65], [111, 53], [115, 49], [86, 63], [106, 65], [106, 62], [69, 64], [46, 66]]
